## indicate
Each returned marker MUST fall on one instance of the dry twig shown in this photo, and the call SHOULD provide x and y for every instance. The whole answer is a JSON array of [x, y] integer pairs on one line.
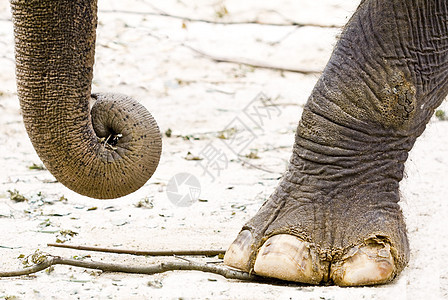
[[245, 162], [142, 252], [251, 62], [152, 269], [239, 60], [189, 19]]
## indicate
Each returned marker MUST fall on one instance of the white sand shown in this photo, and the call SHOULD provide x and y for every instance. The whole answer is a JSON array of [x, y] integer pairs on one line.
[[142, 56]]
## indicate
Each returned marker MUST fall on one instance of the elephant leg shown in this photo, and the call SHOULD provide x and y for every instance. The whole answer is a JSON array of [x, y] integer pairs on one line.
[[335, 217]]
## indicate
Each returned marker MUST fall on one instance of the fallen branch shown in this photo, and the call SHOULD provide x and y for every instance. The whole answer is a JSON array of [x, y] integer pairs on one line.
[[239, 60], [250, 62], [245, 162], [142, 252], [189, 19], [49, 261]]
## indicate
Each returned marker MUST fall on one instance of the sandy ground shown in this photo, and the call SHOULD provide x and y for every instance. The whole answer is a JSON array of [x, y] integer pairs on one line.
[[147, 57]]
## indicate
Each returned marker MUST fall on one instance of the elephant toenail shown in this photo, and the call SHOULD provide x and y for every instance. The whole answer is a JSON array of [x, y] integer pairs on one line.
[[238, 254], [289, 258], [369, 264]]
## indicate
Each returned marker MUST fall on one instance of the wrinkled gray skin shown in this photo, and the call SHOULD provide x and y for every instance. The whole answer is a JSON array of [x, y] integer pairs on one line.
[[387, 74], [339, 197], [107, 152]]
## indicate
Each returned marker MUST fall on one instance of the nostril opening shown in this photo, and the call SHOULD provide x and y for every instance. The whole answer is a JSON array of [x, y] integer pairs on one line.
[[114, 138], [110, 139]]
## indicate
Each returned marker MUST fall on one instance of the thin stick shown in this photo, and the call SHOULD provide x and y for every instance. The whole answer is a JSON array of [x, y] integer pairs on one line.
[[245, 162], [164, 14], [251, 62], [48, 262], [142, 252], [152, 269], [240, 60]]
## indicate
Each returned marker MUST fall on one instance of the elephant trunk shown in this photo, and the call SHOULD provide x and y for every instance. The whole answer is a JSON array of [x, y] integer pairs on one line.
[[107, 152]]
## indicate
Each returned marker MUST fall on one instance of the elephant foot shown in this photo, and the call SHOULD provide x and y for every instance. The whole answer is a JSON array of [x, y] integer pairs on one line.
[[287, 257], [343, 241]]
